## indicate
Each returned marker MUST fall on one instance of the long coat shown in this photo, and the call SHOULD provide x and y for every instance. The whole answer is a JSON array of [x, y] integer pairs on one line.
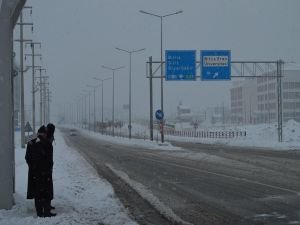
[[31, 169], [40, 162]]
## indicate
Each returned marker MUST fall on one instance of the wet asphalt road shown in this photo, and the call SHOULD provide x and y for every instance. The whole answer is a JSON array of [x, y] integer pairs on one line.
[[207, 184]]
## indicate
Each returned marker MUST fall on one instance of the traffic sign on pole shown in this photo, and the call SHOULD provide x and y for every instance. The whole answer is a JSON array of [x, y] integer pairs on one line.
[[28, 127], [180, 65], [215, 65], [159, 114]]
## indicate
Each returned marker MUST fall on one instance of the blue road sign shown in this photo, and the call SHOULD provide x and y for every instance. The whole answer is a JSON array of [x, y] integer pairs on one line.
[[215, 65], [180, 65], [159, 115]]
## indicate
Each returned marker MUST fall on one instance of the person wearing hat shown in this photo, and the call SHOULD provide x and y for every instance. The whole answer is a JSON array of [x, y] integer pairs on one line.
[[29, 159], [50, 138], [38, 157]]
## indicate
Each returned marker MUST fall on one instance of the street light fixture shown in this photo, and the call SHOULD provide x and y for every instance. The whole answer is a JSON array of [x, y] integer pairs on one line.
[[130, 56], [102, 98], [113, 101], [161, 57]]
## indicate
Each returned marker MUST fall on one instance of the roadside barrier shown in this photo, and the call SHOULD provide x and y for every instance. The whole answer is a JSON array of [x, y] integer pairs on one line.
[[206, 134], [182, 133]]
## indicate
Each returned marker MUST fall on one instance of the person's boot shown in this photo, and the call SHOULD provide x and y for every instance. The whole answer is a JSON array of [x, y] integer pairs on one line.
[[49, 214], [47, 209], [39, 208], [51, 207]]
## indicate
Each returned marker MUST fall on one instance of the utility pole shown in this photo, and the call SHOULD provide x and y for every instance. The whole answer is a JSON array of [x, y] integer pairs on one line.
[[45, 93], [151, 98], [22, 24], [41, 96], [279, 99], [33, 44], [46, 104]]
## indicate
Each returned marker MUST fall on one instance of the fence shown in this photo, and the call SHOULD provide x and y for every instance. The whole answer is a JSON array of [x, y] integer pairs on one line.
[[182, 133], [207, 134]]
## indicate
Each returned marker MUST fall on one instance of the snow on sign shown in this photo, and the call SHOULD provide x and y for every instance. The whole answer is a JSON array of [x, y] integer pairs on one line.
[[215, 65], [180, 65]]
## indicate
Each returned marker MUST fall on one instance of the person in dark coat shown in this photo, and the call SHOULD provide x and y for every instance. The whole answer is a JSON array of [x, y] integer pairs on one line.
[[41, 163], [50, 138], [29, 157]]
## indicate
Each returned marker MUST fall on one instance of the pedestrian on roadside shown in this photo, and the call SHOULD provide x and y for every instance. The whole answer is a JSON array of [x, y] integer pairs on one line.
[[50, 139], [40, 161], [30, 158]]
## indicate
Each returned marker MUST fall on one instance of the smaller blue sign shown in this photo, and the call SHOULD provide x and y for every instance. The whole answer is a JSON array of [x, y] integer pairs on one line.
[[180, 65], [159, 115], [215, 65]]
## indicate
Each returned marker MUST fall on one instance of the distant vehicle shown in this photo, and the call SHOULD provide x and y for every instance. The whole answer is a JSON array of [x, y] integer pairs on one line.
[[73, 132]]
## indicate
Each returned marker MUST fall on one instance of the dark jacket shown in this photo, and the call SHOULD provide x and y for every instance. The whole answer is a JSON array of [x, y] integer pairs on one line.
[[40, 161]]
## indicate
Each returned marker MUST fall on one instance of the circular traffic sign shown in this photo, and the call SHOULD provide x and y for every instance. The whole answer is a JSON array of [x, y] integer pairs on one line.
[[159, 114]]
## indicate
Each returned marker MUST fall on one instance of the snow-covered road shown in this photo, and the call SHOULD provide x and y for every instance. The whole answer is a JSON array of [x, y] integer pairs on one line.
[[203, 184]]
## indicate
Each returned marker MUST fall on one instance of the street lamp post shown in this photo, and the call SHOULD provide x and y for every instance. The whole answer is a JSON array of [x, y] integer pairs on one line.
[[102, 98], [94, 89], [161, 58], [89, 110], [130, 56], [113, 97]]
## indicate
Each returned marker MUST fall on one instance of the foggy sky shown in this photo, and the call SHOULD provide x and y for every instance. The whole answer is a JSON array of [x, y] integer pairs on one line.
[[80, 36]]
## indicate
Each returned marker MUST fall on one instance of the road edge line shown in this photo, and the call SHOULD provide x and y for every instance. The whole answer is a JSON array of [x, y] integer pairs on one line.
[[149, 197]]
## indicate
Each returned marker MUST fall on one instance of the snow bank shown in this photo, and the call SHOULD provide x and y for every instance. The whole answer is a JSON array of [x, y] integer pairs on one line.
[[81, 197], [129, 142], [259, 135]]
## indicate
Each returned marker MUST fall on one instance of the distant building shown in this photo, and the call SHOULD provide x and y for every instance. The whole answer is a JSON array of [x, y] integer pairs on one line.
[[184, 113], [218, 115], [243, 101], [255, 100]]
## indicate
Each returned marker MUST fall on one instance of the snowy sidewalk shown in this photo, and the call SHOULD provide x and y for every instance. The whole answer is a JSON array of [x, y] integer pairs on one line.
[[80, 196]]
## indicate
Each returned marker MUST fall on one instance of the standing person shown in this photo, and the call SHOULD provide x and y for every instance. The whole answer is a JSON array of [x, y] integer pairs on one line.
[[40, 165], [30, 157], [50, 139]]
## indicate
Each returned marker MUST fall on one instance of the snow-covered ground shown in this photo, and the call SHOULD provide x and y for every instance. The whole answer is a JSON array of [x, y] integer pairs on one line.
[[128, 142], [81, 197], [259, 135]]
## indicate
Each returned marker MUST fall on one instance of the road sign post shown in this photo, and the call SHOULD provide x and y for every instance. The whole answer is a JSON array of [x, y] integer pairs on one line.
[[215, 65], [159, 115]]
